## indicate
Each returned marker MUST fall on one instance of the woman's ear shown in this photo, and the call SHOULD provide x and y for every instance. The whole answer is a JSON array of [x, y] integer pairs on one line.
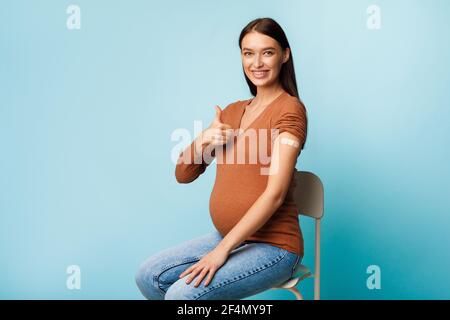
[[287, 53]]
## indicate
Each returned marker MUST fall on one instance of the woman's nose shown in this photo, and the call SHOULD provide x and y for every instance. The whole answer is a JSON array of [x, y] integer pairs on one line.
[[258, 61]]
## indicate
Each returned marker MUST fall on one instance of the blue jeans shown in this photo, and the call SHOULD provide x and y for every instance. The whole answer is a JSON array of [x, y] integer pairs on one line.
[[251, 268]]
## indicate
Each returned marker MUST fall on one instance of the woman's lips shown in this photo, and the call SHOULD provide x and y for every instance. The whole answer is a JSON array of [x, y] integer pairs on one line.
[[260, 74]]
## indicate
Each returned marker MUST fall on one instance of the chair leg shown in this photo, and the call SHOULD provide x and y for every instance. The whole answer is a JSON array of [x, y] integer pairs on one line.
[[297, 293]]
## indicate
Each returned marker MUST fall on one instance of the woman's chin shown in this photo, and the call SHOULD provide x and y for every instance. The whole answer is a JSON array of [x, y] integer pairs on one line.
[[260, 82]]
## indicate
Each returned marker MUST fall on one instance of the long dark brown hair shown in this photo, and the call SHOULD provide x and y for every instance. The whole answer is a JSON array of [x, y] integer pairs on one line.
[[271, 28]]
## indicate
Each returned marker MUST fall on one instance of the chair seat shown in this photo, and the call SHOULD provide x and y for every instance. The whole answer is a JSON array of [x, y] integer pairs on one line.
[[301, 272]]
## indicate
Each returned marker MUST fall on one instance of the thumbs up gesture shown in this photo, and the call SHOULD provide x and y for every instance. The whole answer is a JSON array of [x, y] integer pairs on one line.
[[218, 133]]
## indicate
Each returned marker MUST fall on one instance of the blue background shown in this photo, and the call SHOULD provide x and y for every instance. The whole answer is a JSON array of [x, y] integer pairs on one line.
[[86, 118]]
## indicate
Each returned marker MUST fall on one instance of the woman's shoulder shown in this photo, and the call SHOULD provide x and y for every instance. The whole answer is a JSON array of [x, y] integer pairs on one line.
[[290, 104], [236, 104], [234, 107]]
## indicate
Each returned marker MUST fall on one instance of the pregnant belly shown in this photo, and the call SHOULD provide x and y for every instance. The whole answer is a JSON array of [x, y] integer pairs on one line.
[[228, 207]]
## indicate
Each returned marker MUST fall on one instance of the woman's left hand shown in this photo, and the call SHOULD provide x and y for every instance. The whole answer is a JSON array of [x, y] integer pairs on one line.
[[209, 264]]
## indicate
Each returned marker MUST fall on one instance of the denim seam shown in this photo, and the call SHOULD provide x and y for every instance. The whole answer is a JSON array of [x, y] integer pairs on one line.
[[295, 265], [170, 266], [226, 282]]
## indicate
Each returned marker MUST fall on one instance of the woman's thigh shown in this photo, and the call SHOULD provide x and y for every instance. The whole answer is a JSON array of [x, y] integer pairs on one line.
[[162, 269], [249, 270]]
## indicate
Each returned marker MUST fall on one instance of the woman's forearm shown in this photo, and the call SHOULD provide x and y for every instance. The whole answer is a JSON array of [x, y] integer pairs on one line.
[[199, 146], [190, 162], [258, 214]]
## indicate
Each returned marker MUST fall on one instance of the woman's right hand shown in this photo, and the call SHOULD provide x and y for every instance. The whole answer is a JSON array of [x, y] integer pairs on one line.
[[218, 133]]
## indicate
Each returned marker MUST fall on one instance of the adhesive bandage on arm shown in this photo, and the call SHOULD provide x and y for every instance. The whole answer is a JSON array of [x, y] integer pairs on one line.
[[289, 142]]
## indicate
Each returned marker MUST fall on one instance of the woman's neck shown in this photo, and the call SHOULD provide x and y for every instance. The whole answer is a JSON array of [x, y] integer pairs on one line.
[[266, 95]]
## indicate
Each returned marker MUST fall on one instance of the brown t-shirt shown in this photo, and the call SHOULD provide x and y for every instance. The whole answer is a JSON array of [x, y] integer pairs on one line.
[[242, 171]]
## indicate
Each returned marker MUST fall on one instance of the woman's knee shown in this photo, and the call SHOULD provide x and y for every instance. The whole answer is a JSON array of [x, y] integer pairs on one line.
[[144, 279], [180, 290]]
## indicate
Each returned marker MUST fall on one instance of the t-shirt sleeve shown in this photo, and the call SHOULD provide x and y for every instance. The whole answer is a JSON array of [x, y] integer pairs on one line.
[[292, 119]]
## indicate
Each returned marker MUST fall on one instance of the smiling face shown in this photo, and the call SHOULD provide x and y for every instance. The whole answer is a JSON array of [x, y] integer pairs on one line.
[[262, 58]]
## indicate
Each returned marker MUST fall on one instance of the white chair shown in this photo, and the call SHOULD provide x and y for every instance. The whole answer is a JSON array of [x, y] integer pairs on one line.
[[308, 195]]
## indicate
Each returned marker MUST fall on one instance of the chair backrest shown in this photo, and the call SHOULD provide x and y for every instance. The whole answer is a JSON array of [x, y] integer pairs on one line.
[[308, 194]]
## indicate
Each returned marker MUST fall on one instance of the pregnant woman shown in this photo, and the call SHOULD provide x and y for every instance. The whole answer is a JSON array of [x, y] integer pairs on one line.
[[257, 241]]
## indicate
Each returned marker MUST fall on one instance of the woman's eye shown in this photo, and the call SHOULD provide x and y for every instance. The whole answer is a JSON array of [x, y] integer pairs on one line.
[[250, 53]]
